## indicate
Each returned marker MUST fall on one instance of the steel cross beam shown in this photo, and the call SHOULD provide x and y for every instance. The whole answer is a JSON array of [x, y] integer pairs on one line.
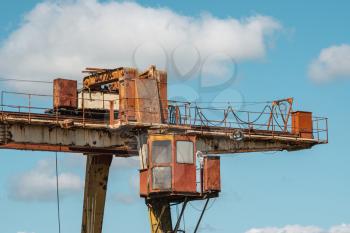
[[46, 134], [160, 216], [43, 132], [96, 179]]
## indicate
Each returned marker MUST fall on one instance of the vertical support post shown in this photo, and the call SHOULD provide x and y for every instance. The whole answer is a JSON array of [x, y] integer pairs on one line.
[[186, 114], [2, 101], [225, 118], [2, 104], [29, 106], [111, 112], [177, 115], [177, 226], [318, 131], [83, 105], [327, 129], [249, 124], [160, 216], [201, 217], [96, 179]]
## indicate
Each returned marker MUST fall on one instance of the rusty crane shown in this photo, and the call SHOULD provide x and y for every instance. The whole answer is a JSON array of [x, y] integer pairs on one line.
[[123, 113]]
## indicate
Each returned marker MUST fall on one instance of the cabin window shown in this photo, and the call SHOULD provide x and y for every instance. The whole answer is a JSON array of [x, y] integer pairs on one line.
[[184, 152], [161, 152], [161, 178]]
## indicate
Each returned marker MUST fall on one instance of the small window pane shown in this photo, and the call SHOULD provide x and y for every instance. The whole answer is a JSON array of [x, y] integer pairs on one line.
[[161, 178], [161, 152], [184, 152]]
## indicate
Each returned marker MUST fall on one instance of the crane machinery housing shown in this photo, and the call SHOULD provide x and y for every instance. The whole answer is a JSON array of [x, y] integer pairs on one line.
[[122, 113]]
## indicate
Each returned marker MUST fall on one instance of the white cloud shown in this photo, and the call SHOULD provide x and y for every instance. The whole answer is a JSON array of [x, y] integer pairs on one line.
[[39, 184], [332, 63], [301, 229], [73, 162], [287, 229], [125, 163], [344, 228], [134, 182], [60, 38], [207, 228]]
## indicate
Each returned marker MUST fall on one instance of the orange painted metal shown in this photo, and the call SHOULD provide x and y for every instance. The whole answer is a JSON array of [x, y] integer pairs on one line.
[[147, 106], [160, 92], [211, 174], [127, 99], [144, 188], [36, 147], [302, 124], [137, 102], [184, 174], [152, 165], [162, 80], [111, 112], [65, 94], [69, 149]]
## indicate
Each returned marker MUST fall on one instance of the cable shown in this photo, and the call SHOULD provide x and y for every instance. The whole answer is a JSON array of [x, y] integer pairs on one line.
[[226, 102], [58, 198], [213, 202], [199, 210], [23, 80], [27, 80], [184, 223]]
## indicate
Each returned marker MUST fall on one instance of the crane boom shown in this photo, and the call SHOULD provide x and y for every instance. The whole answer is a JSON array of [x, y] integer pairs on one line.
[[133, 117]]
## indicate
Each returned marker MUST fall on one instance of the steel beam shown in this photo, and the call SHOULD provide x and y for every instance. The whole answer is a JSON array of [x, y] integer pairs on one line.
[[160, 216], [226, 145], [96, 179], [74, 140]]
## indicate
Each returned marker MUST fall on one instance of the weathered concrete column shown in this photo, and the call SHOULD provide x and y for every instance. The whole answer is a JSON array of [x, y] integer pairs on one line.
[[96, 179]]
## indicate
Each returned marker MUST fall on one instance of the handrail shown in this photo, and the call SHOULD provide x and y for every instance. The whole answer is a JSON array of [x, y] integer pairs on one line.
[[187, 114]]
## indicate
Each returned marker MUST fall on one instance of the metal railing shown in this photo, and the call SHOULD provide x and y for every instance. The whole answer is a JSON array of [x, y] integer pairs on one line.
[[38, 106], [225, 117], [267, 120]]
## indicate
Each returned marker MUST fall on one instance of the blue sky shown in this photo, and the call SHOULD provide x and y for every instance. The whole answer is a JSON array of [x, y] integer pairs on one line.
[[260, 190]]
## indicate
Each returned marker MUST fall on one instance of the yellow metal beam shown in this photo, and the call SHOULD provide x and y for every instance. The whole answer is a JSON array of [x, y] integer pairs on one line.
[[97, 170], [160, 216]]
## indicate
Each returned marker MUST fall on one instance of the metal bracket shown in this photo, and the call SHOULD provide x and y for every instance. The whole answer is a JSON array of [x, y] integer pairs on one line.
[[200, 218], [176, 229]]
